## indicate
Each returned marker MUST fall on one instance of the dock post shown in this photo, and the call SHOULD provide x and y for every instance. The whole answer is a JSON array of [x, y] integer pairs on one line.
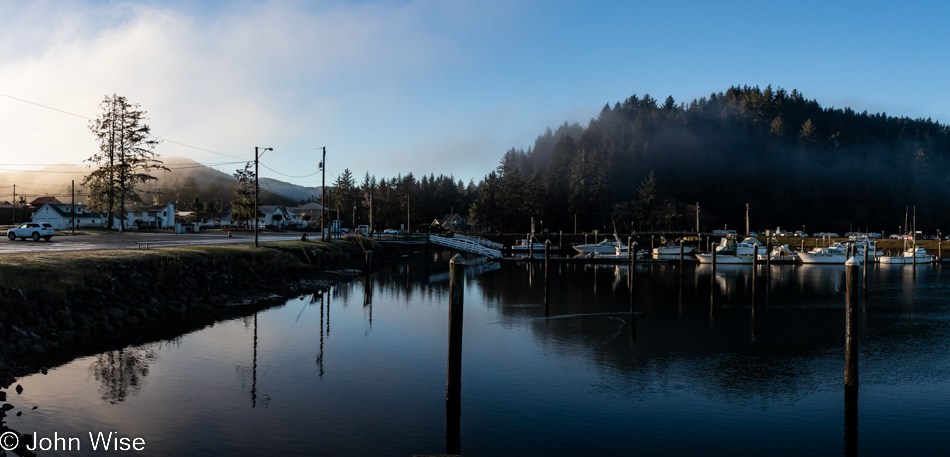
[[712, 277], [453, 384], [755, 268], [851, 323], [629, 251], [368, 262], [681, 257], [864, 281], [530, 247], [632, 278], [939, 250], [547, 267]]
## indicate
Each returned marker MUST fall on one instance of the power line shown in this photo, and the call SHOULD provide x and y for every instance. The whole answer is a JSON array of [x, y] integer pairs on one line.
[[289, 176]]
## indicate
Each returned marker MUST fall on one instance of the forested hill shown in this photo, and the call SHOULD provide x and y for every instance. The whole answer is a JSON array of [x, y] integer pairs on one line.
[[644, 164]]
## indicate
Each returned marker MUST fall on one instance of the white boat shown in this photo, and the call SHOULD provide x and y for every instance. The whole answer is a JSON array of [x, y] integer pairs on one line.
[[668, 249], [604, 247], [780, 253], [523, 246], [725, 259], [835, 254], [907, 257]]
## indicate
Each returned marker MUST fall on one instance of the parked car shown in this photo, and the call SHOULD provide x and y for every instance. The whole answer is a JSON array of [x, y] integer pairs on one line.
[[390, 231], [35, 230]]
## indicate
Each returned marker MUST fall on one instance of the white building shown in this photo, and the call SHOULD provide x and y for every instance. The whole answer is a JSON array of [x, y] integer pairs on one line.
[[157, 217], [61, 216]]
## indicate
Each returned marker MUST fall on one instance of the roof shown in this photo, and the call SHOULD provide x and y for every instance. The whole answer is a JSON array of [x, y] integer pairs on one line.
[[449, 217], [310, 206], [40, 201], [63, 209]]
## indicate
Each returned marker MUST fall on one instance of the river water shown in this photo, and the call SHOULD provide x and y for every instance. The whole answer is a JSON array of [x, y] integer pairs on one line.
[[361, 370]]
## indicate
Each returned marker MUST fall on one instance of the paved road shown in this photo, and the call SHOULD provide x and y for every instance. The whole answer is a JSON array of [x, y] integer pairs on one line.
[[98, 241]]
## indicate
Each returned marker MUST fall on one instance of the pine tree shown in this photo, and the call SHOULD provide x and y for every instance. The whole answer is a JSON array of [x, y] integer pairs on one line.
[[126, 155]]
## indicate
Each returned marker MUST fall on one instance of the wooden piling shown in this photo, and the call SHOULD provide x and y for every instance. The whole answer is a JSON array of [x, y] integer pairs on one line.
[[530, 247], [456, 295], [629, 251], [712, 278], [547, 264], [632, 278], [864, 280], [367, 262], [755, 267], [453, 383], [681, 257], [851, 323]]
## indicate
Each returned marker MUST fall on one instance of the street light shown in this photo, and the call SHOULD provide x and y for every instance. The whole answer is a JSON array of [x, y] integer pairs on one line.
[[257, 189]]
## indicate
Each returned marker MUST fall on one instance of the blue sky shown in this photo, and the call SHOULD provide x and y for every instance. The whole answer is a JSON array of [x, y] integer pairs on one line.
[[432, 86]]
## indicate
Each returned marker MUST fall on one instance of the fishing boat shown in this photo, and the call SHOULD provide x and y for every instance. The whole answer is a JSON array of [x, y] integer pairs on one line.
[[835, 254], [907, 257], [668, 249], [522, 246], [604, 247], [780, 254], [726, 258]]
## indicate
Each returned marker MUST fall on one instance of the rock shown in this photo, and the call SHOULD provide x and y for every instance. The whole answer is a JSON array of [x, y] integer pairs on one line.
[[19, 389], [115, 314]]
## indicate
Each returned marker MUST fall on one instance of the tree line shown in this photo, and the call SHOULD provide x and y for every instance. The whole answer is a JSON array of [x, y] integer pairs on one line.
[[639, 165], [644, 165]]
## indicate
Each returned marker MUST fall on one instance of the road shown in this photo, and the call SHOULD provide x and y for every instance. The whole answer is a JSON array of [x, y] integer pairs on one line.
[[98, 241]]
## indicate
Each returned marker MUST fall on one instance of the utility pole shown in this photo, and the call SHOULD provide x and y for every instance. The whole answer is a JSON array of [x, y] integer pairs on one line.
[[13, 207], [697, 217], [72, 199], [407, 209], [323, 194], [122, 173], [112, 163], [746, 219], [257, 191]]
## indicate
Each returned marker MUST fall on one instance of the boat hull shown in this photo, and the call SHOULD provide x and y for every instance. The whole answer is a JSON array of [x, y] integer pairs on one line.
[[725, 259]]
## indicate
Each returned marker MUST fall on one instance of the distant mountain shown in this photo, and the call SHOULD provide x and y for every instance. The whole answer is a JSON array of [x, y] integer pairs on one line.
[[290, 190], [185, 180]]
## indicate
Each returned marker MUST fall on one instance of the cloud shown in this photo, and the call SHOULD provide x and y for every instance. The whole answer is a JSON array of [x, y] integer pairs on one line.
[[246, 74]]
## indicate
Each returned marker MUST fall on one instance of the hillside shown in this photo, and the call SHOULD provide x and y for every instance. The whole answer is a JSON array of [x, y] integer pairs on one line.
[[185, 180], [644, 165]]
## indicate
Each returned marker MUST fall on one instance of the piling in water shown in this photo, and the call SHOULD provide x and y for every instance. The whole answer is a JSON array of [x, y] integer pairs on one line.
[[453, 384], [851, 323], [632, 277], [547, 282]]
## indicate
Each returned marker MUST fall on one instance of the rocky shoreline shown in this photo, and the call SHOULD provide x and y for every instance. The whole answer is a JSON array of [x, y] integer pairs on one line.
[[130, 297]]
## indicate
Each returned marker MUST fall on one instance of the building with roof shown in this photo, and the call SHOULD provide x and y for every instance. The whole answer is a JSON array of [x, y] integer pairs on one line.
[[62, 215]]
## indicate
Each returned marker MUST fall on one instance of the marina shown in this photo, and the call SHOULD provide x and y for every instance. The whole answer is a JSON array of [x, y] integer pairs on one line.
[[748, 364]]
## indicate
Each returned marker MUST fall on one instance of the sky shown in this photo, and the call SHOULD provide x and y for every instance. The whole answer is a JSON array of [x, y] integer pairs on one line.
[[431, 86]]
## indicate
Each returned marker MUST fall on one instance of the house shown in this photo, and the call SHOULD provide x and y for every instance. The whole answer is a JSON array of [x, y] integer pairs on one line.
[[156, 216], [312, 209], [40, 201], [61, 216], [455, 223], [277, 215]]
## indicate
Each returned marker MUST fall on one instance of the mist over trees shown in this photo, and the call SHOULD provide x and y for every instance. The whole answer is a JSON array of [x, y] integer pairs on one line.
[[644, 165]]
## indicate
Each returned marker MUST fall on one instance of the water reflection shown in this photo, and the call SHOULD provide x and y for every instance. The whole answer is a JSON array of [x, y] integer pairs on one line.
[[564, 369], [122, 373]]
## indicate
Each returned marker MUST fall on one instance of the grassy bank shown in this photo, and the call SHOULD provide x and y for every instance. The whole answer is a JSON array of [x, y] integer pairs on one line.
[[63, 273]]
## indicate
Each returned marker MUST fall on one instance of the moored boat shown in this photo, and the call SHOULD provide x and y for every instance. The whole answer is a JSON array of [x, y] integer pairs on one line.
[[604, 247], [907, 257]]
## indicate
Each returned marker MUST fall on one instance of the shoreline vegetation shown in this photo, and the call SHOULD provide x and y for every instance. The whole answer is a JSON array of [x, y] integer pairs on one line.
[[53, 305]]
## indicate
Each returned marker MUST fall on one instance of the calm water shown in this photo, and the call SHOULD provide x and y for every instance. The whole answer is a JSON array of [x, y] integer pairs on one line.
[[361, 371]]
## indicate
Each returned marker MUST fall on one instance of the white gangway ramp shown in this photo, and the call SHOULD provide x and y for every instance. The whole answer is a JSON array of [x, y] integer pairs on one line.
[[481, 241], [465, 244]]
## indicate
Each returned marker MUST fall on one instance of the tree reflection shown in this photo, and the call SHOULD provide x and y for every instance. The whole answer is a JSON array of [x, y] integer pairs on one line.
[[122, 373]]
